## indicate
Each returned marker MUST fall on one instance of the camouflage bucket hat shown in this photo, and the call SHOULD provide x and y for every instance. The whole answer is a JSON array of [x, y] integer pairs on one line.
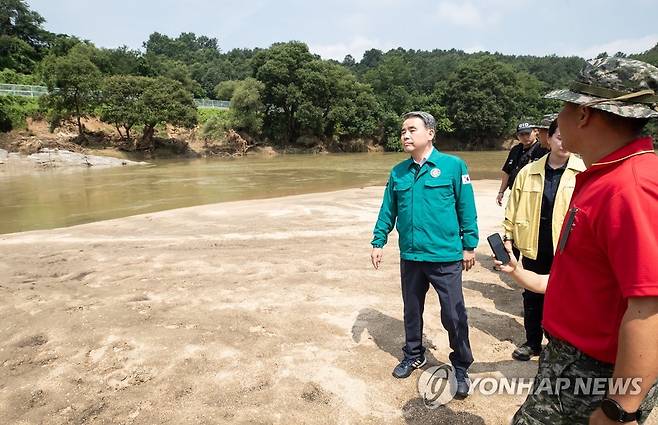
[[624, 87], [546, 121]]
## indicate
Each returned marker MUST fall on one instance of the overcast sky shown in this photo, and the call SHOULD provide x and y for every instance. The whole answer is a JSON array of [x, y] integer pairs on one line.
[[339, 27]]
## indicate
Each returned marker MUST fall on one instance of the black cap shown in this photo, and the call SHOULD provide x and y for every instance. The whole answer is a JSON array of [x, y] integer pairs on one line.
[[524, 127]]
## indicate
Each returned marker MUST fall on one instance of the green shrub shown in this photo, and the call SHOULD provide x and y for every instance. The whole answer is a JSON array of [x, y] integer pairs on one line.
[[204, 114], [5, 121], [14, 110], [217, 125], [9, 76]]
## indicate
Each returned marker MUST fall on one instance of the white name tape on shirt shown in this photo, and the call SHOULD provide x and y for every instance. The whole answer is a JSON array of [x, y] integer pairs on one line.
[[466, 179]]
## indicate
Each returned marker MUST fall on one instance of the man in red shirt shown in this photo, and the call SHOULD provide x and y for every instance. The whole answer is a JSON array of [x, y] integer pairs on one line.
[[601, 304]]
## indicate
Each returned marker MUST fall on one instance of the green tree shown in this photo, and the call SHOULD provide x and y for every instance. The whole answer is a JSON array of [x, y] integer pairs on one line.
[[162, 66], [371, 58], [16, 54], [195, 61], [484, 98], [247, 106], [61, 44], [121, 101], [186, 48], [208, 75], [355, 112], [234, 65], [165, 101], [225, 89], [73, 82], [14, 110], [246, 113], [306, 96], [392, 82], [349, 62], [279, 69], [23, 41], [9, 76], [17, 20], [334, 103], [131, 100], [119, 61]]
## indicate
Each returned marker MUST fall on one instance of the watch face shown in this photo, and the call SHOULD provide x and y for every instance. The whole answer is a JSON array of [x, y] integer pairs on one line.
[[611, 409]]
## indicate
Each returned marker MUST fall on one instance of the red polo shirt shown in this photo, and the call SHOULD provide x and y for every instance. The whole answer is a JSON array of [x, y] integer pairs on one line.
[[610, 251]]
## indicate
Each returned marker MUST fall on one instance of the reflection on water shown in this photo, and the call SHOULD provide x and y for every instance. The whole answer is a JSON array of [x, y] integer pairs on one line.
[[54, 198]]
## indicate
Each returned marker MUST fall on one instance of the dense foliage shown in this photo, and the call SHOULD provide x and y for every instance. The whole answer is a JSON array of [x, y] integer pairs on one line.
[[73, 83], [284, 93], [15, 110]]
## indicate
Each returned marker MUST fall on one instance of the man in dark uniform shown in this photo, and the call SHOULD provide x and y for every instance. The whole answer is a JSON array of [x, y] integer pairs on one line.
[[526, 151]]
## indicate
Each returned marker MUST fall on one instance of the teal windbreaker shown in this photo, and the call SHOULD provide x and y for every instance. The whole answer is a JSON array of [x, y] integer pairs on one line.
[[434, 207]]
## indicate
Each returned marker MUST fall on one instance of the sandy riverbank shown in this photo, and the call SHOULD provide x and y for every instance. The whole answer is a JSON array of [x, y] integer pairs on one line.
[[249, 312]]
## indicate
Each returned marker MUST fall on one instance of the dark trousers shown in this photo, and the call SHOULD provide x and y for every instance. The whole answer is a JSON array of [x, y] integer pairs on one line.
[[533, 303], [533, 311], [446, 278], [516, 252]]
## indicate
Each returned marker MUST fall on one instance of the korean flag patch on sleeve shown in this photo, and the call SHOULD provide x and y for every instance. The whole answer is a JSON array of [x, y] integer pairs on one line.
[[466, 179]]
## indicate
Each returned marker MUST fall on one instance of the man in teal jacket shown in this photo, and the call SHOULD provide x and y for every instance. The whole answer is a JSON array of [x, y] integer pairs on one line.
[[430, 196]]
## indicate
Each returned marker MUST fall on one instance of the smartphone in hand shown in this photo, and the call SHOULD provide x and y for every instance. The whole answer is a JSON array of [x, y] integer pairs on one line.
[[498, 248]]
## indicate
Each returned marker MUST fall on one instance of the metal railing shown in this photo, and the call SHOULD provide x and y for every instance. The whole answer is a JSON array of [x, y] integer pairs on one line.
[[210, 103], [36, 91], [22, 90]]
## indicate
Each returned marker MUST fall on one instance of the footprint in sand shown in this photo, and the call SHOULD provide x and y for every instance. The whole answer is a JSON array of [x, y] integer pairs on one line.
[[128, 377], [32, 341], [139, 298], [313, 393], [81, 276], [119, 363]]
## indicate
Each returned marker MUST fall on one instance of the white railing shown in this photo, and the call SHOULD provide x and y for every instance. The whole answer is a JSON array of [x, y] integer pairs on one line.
[[36, 91], [210, 103], [22, 90]]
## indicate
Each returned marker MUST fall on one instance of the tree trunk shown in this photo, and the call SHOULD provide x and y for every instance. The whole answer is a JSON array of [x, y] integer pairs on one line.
[[291, 126], [77, 111], [127, 127], [288, 123], [118, 130], [147, 137]]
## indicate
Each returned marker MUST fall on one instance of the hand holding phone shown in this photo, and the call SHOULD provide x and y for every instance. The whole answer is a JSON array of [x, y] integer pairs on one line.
[[498, 248]]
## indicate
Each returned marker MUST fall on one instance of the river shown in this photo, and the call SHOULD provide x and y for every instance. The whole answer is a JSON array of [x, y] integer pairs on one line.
[[57, 198]]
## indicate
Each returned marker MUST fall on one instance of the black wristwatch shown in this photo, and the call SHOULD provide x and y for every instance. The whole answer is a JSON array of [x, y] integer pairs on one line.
[[615, 412]]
